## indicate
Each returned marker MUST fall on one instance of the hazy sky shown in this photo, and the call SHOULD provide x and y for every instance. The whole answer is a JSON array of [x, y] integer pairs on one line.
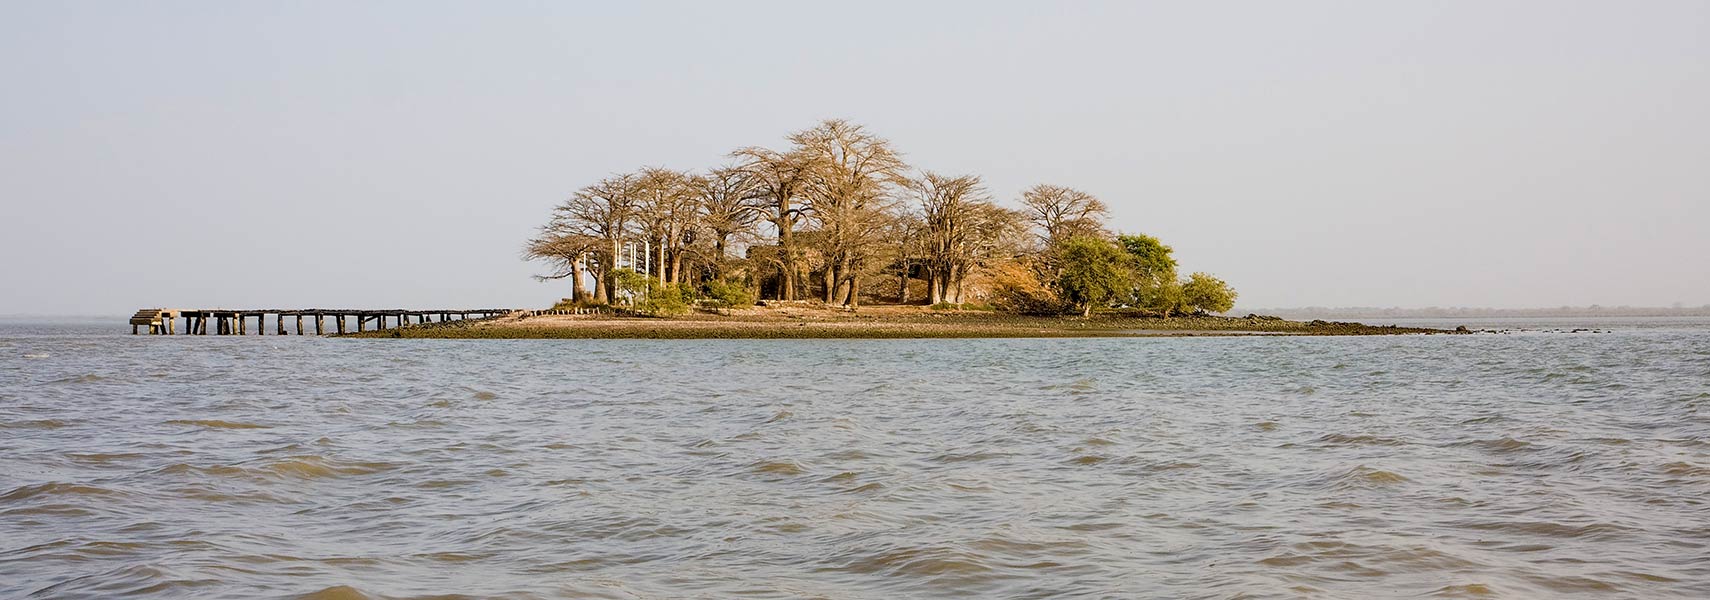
[[302, 154]]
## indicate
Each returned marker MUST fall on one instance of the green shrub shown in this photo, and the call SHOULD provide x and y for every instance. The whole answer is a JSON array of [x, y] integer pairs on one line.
[[665, 299], [730, 294], [627, 281]]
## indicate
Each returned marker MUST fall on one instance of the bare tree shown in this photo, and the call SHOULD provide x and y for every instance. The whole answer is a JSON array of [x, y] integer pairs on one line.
[[665, 215], [778, 179], [599, 214], [726, 197], [566, 251], [907, 236], [1061, 213], [850, 175], [963, 230]]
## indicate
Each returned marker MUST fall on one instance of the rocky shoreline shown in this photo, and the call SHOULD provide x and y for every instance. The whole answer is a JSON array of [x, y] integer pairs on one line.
[[884, 322]]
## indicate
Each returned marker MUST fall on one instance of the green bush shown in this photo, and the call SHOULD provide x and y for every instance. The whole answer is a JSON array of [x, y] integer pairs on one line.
[[730, 294], [665, 299], [628, 281]]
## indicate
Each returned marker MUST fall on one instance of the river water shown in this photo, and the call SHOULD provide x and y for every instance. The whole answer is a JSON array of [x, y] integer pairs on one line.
[[1524, 465]]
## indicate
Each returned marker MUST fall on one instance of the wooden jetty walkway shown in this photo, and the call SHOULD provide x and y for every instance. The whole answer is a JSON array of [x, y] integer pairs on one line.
[[163, 321]]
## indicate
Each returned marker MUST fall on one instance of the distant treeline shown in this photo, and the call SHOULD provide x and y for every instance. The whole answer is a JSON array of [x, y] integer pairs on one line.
[[1470, 312], [839, 217]]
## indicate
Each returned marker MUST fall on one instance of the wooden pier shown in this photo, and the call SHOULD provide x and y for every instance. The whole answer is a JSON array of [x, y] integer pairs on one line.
[[163, 321]]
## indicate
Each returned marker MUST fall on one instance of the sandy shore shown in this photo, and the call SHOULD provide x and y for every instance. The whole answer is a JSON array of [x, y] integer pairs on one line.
[[872, 323]]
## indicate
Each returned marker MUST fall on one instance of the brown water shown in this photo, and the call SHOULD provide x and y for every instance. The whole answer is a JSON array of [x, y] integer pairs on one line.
[[1514, 466]]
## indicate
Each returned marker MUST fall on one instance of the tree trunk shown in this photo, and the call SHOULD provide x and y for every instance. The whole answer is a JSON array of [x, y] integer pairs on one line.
[[830, 283], [578, 290], [955, 278], [661, 272], [677, 265], [1086, 313], [854, 292], [718, 255], [787, 251], [902, 284]]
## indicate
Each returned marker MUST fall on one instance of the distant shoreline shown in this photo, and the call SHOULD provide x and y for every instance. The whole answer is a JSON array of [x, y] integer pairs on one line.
[[881, 322]]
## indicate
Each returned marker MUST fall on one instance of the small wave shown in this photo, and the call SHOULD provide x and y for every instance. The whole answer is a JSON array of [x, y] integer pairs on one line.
[[777, 467], [1547, 529], [1470, 590], [101, 458], [919, 562], [1685, 469], [1364, 477], [484, 396], [84, 378], [52, 489], [1171, 466], [35, 424], [968, 457], [38, 355], [1338, 439], [216, 424], [337, 592], [293, 467], [314, 467], [1502, 444], [850, 454]]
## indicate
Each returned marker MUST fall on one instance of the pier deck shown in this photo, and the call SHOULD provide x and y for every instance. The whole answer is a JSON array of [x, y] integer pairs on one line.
[[162, 321]]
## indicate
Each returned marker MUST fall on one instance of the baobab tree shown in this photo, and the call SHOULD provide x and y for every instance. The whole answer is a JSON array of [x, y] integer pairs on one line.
[[599, 213], [726, 198], [1061, 213], [947, 204], [963, 231], [567, 252], [665, 214], [849, 177], [778, 178]]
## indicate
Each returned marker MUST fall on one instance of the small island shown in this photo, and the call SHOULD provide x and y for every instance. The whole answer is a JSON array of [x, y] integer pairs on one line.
[[836, 236]]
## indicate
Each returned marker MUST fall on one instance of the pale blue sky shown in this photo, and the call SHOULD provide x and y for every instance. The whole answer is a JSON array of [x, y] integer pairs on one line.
[[299, 154]]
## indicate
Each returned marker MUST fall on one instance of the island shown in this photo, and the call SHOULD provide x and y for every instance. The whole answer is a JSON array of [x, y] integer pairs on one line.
[[835, 236]]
